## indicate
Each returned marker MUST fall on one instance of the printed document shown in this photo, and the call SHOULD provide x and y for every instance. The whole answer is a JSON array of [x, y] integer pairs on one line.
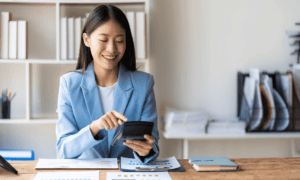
[[138, 176], [87, 175], [132, 164], [101, 163]]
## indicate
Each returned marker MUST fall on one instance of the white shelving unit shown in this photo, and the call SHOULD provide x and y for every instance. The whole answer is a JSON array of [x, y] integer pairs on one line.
[[280, 135], [40, 73]]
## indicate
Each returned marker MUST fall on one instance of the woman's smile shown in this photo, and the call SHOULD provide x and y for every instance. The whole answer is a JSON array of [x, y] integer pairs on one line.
[[110, 57]]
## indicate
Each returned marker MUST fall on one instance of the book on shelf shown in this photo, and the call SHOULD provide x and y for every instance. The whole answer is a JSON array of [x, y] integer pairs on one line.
[[205, 163], [83, 23], [71, 36], [17, 154], [22, 40], [87, 15], [13, 40], [4, 33], [140, 35], [78, 28], [63, 38], [131, 20], [0, 39]]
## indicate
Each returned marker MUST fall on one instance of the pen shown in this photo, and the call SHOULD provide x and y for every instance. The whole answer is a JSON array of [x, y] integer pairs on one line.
[[13, 96], [8, 95]]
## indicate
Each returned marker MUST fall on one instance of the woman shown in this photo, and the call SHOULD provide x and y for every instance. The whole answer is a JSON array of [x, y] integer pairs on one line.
[[104, 91]]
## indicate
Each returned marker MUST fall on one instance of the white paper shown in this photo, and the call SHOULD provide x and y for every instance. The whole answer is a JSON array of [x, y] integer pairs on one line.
[[138, 176], [103, 163], [132, 164], [86, 175]]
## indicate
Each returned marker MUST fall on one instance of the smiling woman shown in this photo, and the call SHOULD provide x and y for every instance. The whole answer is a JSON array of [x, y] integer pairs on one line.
[[104, 91]]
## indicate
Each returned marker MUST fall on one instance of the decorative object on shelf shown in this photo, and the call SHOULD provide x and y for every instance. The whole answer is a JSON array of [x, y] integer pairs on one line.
[[5, 104]]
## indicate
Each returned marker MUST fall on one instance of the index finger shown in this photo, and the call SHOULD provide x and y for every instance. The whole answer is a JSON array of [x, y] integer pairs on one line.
[[120, 116]]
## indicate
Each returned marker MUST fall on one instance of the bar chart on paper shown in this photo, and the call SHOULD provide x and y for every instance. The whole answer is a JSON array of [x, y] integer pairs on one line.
[[86, 175]]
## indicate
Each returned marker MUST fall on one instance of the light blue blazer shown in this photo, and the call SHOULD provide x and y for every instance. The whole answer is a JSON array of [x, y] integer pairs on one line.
[[79, 105]]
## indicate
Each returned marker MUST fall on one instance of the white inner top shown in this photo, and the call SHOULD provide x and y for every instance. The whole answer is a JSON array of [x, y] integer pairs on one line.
[[107, 95]]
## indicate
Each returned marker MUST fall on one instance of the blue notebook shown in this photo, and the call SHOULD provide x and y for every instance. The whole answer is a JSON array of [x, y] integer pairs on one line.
[[205, 163], [17, 154]]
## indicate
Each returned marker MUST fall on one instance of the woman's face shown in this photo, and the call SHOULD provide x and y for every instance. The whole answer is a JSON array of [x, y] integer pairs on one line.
[[107, 44]]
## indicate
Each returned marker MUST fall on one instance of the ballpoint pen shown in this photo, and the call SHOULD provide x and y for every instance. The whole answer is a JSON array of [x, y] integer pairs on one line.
[[13, 96]]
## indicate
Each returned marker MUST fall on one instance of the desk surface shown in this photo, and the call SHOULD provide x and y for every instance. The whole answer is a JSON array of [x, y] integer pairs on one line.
[[253, 168]]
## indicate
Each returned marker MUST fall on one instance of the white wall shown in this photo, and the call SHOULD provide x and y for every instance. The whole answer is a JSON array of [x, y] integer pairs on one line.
[[197, 48]]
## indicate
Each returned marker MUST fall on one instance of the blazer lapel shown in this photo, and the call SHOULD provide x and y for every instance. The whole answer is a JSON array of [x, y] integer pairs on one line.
[[92, 98], [122, 96]]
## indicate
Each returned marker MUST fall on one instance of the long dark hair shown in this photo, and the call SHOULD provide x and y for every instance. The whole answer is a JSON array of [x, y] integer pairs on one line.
[[97, 17]]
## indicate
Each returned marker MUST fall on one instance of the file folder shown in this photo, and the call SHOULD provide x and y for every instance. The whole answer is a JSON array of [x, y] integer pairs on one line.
[[17, 154]]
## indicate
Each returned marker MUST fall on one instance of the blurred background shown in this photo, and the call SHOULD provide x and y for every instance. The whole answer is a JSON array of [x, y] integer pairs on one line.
[[195, 49]]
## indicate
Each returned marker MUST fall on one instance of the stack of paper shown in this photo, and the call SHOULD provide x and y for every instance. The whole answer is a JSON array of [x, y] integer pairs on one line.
[[226, 126], [88, 175], [184, 122], [103, 163]]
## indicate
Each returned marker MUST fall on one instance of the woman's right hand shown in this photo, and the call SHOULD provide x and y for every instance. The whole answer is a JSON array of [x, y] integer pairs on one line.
[[110, 120]]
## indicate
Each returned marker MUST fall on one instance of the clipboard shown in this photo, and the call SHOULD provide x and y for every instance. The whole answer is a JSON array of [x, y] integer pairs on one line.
[[139, 169], [5, 165]]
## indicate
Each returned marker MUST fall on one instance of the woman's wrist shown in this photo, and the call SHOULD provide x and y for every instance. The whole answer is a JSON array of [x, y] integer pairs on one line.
[[94, 128]]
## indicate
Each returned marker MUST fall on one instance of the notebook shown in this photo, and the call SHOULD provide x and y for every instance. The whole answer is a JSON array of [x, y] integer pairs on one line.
[[205, 163]]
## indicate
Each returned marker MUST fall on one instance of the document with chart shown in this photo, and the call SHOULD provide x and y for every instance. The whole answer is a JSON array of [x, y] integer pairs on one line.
[[86, 175], [132, 164], [138, 176], [101, 163]]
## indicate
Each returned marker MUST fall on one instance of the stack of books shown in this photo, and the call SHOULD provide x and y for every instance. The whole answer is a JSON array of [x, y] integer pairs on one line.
[[184, 122], [13, 37], [70, 37]]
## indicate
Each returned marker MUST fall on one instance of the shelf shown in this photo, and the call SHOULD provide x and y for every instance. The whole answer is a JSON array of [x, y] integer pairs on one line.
[[279, 135], [24, 121]]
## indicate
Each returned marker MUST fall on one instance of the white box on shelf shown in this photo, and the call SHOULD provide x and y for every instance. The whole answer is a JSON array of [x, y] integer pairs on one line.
[[78, 28], [22, 39], [131, 20], [140, 35], [63, 39], [71, 37], [83, 23], [13, 40], [4, 33]]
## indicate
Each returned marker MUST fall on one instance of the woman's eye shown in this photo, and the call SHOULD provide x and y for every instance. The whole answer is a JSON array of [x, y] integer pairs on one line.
[[103, 40]]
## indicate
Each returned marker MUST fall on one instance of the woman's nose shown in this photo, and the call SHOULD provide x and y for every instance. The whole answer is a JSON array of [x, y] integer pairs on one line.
[[111, 47]]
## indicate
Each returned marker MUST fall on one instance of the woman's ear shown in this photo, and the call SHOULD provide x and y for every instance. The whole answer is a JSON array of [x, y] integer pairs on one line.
[[86, 39]]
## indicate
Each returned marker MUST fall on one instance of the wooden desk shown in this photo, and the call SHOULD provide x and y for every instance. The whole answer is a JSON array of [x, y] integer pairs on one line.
[[258, 168]]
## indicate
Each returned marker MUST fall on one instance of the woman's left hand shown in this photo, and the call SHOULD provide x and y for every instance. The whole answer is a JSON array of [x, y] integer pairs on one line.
[[141, 147]]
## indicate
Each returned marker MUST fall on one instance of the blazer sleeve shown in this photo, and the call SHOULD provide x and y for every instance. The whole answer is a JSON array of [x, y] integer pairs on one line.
[[149, 113], [67, 131]]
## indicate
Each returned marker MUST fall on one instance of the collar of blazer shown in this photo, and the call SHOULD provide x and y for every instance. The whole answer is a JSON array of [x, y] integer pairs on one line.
[[91, 95]]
